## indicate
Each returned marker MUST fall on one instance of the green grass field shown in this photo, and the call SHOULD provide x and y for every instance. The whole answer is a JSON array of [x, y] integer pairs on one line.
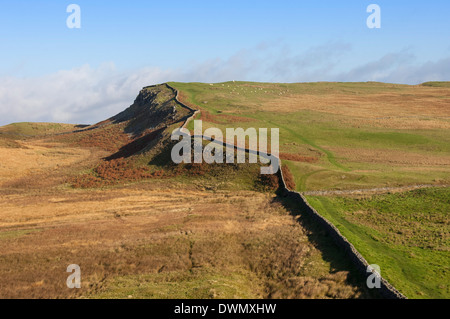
[[364, 135], [406, 234]]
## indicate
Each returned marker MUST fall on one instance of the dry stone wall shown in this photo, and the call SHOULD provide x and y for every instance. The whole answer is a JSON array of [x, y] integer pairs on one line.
[[386, 289]]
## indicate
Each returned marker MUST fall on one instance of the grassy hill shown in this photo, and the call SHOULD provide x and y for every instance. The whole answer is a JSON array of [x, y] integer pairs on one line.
[[12, 133], [108, 197], [356, 136], [362, 135], [118, 176]]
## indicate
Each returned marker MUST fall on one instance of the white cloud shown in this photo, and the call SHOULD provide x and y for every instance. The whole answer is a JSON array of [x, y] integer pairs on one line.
[[399, 67], [87, 95], [80, 95], [313, 64], [414, 74]]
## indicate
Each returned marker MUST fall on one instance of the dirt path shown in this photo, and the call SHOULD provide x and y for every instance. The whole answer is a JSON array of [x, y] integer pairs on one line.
[[371, 191]]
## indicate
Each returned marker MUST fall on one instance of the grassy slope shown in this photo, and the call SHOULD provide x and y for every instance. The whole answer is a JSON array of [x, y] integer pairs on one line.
[[406, 234], [12, 133], [27, 129], [437, 84], [311, 132]]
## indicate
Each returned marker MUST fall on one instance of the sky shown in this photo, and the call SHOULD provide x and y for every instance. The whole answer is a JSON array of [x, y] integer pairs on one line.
[[52, 73]]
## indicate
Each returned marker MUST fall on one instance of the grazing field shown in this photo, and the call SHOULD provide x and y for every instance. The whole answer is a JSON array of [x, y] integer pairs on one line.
[[363, 135], [354, 137], [406, 234]]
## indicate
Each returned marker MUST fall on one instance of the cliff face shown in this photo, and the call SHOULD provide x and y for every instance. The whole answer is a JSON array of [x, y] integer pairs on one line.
[[155, 107]]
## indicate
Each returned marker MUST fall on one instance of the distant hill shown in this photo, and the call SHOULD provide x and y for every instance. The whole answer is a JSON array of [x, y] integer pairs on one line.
[[437, 84]]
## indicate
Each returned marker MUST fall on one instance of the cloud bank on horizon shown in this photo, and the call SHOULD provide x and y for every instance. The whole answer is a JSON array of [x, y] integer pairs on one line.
[[86, 95]]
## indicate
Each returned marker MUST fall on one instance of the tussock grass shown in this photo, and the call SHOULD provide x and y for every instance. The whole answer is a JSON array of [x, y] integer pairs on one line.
[[163, 241]]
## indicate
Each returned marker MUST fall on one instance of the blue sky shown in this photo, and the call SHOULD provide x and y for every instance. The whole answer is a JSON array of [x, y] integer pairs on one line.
[[124, 45]]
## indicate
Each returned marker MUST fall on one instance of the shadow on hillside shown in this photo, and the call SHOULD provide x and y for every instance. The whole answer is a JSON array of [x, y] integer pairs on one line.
[[136, 146], [330, 251], [164, 157]]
